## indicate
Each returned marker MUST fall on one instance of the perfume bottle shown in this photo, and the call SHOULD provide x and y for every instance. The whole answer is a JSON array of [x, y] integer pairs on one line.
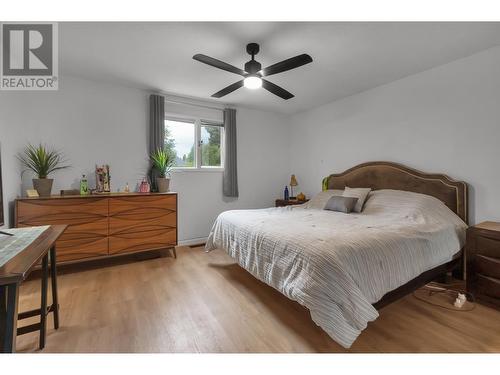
[[84, 185], [286, 194], [144, 187], [127, 188]]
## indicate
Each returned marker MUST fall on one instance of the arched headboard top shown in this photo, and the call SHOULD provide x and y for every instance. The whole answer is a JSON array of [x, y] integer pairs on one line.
[[387, 175]]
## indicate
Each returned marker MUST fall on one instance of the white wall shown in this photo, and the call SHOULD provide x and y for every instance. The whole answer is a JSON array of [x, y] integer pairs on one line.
[[444, 120], [99, 123]]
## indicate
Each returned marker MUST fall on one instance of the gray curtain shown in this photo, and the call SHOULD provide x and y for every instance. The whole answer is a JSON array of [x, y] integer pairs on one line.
[[230, 179], [156, 130]]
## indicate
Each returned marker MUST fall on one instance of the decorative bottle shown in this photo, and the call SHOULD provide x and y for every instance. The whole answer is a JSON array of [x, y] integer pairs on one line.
[[286, 194], [142, 186], [84, 185]]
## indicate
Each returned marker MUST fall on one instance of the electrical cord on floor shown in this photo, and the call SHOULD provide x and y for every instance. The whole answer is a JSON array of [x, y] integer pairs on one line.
[[434, 288]]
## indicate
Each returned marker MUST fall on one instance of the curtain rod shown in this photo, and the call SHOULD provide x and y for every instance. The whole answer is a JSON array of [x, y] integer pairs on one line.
[[193, 104]]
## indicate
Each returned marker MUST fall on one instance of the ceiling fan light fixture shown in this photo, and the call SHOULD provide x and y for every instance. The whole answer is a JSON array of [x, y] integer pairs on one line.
[[253, 72], [252, 82]]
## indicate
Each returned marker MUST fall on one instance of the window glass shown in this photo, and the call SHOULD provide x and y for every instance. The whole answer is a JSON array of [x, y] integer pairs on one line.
[[210, 142], [180, 139]]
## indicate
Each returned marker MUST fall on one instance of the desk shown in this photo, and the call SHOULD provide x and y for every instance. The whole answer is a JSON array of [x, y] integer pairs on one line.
[[13, 273]]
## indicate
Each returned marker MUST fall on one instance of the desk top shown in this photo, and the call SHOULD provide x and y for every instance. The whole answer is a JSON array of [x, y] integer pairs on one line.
[[18, 268], [21, 238]]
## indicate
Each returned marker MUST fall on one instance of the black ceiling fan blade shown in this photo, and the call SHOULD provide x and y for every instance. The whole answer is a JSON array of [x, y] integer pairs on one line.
[[218, 64], [276, 90], [227, 90], [283, 66]]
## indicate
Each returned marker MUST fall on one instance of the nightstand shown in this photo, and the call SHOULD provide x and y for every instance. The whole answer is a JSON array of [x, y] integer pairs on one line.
[[290, 202], [483, 262]]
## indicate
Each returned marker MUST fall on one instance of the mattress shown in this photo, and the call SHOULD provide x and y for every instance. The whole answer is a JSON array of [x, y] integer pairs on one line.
[[335, 264]]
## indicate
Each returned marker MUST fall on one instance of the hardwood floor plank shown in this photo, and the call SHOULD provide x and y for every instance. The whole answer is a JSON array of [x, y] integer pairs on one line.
[[204, 302]]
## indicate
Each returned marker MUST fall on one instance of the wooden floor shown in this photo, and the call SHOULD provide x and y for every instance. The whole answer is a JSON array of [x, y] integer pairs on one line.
[[203, 302]]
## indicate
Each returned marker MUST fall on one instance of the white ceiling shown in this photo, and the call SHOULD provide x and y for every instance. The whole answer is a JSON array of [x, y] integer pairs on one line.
[[348, 57]]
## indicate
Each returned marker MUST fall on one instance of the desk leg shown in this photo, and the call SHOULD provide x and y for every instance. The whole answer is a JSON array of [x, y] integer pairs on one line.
[[53, 279], [9, 295], [43, 307]]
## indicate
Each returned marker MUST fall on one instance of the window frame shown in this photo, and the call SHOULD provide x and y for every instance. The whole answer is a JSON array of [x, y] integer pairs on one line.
[[198, 123]]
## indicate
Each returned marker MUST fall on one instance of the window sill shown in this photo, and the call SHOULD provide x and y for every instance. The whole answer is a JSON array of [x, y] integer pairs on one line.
[[197, 170]]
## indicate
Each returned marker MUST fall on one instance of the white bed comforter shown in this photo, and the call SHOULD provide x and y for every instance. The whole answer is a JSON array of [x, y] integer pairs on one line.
[[338, 264]]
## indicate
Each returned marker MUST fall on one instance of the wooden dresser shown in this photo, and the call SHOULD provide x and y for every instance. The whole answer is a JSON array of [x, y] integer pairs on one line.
[[104, 225], [483, 262]]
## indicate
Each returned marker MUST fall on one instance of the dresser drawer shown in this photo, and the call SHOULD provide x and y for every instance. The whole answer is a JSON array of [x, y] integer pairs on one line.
[[487, 246], [488, 286], [152, 219], [487, 266], [145, 240], [61, 211], [84, 226], [142, 207], [70, 247]]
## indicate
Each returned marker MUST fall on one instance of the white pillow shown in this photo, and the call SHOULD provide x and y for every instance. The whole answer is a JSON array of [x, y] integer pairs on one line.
[[360, 193], [318, 202]]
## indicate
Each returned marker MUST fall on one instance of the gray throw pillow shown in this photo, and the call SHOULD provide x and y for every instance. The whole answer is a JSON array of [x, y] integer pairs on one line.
[[360, 193], [341, 204]]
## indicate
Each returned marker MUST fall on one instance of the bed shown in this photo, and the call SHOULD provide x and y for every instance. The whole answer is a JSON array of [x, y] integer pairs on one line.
[[343, 267]]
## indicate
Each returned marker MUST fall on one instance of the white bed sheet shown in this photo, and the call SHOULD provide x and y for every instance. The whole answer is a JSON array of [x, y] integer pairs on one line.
[[337, 264]]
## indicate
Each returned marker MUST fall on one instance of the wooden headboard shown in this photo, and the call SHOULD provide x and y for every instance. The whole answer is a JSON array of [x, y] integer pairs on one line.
[[387, 175]]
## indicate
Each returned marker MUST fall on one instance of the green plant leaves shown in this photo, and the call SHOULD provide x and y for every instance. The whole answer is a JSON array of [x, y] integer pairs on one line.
[[163, 160], [41, 160]]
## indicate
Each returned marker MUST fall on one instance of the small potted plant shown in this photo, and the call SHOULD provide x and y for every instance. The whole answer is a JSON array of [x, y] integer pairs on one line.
[[163, 161], [42, 161]]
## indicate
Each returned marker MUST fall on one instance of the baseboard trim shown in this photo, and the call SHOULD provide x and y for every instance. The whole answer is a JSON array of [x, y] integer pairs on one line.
[[193, 241]]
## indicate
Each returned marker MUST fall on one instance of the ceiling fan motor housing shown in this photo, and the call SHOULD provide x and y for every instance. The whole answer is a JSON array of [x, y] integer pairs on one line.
[[253, 49], [252, 67]]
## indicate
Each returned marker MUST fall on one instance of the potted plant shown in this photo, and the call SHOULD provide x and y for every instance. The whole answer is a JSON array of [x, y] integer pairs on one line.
[[42, 162], [163, 161]]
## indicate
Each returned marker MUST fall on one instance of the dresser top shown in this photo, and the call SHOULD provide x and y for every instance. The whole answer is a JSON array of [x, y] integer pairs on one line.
[[100, 195], [489, 225]]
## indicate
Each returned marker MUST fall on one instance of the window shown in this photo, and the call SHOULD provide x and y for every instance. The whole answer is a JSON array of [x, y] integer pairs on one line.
[[196, 143]]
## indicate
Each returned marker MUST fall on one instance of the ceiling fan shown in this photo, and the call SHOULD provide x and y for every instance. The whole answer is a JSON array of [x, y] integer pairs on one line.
[[254, 73]]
